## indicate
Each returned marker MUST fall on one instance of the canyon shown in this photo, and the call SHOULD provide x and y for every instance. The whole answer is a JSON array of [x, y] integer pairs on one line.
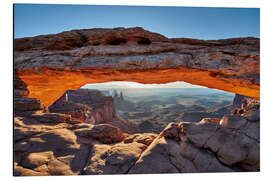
[[48, 142], [92, 107]]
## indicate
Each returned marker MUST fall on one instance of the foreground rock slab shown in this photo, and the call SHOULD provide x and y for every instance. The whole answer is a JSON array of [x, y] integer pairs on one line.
[[46, 148], [228, 144], [206, 146]]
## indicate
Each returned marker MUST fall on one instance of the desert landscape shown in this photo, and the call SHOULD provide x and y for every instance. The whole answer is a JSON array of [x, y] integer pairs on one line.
[[153, 108], [63, 128]]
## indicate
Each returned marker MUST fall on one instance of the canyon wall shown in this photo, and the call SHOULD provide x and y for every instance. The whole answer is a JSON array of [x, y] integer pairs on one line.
[[52, 64], [91, 106]]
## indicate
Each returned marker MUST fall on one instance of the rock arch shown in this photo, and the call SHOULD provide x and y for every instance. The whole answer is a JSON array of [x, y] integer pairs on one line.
[[52, 64]]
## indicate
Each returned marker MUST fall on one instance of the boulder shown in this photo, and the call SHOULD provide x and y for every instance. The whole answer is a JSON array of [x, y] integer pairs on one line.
[[116, 159], [103, 132]]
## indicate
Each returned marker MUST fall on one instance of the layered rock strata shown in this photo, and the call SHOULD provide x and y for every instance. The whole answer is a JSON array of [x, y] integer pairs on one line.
[[91, 106], [53, 64], [22, 103], [88, 106]]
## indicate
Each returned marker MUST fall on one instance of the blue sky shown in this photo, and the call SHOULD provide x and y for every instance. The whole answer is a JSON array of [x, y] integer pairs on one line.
[[193, 22]]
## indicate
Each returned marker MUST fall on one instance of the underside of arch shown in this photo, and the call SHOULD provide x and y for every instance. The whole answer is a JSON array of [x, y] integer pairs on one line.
[[52, 64], [49, 85]]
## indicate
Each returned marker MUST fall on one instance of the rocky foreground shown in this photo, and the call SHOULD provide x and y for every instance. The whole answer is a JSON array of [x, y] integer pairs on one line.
[[53, 144]]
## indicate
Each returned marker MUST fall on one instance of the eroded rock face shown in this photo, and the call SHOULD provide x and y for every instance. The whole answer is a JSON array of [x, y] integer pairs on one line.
[[207, 146], [91, 106], [22, 103], [52, 64], [99, 36], [116, 159], [55, 147]]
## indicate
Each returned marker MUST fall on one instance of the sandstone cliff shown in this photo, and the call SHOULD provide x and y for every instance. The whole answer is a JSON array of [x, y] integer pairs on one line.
[[91, 106]]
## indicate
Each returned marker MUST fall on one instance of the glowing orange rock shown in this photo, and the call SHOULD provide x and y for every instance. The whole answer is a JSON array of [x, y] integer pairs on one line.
[[52, 64]]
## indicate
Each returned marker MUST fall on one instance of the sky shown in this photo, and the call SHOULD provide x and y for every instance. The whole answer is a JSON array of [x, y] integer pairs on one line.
[[192, 22]]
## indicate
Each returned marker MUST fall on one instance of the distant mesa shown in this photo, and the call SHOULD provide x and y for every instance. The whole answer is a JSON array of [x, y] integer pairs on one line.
[[92, 107]]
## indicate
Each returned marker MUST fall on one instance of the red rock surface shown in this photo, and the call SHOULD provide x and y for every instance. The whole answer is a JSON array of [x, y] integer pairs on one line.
[[53, 64], [88, 106], [22, 103], [91, 106]]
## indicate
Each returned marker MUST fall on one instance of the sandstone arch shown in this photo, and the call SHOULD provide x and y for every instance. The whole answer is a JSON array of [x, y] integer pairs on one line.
[[52, 64]]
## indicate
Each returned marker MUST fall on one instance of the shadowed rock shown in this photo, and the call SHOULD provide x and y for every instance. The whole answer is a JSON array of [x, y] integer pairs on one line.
[[200, 147]]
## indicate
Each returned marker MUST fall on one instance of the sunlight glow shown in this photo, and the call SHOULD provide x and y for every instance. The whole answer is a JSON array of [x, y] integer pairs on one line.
[[126, 85]]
